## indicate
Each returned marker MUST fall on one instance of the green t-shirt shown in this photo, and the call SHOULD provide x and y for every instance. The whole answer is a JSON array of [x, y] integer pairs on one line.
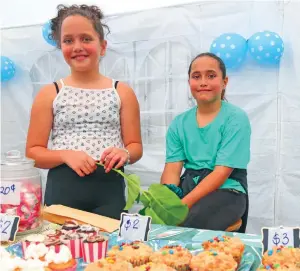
[[224, 142]]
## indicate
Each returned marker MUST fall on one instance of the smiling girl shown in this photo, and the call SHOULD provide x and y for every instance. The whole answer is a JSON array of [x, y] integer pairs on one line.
[[91, 118], [212, 142]]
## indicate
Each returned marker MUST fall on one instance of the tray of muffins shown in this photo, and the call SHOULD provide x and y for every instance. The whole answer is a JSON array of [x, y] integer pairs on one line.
[[84, 248]]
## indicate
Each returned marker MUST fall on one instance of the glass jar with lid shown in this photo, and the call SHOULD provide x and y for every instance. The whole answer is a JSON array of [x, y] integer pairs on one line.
[[21, 191]]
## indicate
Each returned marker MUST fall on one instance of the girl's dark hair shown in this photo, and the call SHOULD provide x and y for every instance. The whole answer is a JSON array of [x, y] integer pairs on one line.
[[221, 65], [92, 13]]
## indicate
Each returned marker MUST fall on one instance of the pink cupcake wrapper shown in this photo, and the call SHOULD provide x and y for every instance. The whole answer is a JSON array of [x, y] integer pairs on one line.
[[75, 247], [92, 252]]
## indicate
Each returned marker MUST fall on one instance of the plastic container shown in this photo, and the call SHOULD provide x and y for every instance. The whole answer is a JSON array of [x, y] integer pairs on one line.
[[21, 191]]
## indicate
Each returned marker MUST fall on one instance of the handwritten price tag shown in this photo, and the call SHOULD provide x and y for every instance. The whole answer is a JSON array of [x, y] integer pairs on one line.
[[281, 236], [10, 193], [134, 227], [8, 227]]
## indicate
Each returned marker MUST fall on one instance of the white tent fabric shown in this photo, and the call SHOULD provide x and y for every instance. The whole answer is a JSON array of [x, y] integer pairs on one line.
[[151, 51]]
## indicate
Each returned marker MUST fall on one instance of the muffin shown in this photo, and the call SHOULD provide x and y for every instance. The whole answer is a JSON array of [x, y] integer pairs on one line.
[[153, 267], [94, 248], [109, 264], [61, 261], [137, 253], [278, 267], [229, 245], [212, 260], [176, 257], [282, 256]]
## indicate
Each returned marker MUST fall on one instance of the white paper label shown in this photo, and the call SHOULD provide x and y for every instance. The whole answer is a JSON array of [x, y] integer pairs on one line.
[[281, 237], [10, 193], [8, 227], [134, 227]]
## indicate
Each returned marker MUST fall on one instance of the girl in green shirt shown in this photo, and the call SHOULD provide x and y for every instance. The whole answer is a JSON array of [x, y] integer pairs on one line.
[[212, 143]]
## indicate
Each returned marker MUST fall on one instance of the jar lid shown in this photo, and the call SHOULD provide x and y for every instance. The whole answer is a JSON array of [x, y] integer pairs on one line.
[[14, 158]]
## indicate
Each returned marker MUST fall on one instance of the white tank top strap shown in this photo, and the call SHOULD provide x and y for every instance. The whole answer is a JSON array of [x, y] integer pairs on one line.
[[113, 83], [62, 83]]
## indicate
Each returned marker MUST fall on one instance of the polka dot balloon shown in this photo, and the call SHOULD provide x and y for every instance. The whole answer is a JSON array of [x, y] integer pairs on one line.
[[47, 33], [231, 48], [266, 47], [8, 69]]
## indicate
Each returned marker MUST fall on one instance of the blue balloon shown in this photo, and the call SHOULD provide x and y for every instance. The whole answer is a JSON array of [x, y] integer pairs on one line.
[[47, 33], [8, 69], [266, 47], [231, 48]]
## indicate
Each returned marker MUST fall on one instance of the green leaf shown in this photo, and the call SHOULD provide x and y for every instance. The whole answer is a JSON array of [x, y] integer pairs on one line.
[[147, 211], [134, 188], [164, 205], [145, 198], [133, 184]]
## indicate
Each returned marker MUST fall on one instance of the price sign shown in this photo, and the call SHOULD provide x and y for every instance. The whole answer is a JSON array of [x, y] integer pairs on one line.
[[281, 236], [134, 227], [10, 193], [9, 225]]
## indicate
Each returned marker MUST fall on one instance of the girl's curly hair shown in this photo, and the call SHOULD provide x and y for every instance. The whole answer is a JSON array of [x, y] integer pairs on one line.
[[93, 13]]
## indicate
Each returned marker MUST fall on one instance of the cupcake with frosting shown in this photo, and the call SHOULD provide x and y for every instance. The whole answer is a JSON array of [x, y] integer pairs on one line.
[[36, 252], [73, 241], [110, 264], [70, 226], [87, 230], [61, 261], [212, 260], [94, 248], [10, 262], [32, 239], [137, 253], [176, 257]]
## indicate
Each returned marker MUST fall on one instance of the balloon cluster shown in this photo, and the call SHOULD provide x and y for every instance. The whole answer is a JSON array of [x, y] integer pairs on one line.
[[265, 47]]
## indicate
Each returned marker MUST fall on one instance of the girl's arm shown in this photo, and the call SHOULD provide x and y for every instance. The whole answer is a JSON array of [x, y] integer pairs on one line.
[[130, 122], [171, 173], [209, 184], [130, 129], [41, 120]]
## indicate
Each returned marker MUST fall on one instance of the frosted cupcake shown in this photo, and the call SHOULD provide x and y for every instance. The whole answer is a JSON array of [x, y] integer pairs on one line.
[[94, 248], [61, 261], [36, 252], [70, 226]]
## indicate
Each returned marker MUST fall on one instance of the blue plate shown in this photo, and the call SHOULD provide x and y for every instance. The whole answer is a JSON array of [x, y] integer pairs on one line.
[[248, 259]]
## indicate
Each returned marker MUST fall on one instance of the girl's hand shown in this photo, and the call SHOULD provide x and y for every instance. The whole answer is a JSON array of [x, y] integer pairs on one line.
[[114, 158], [80, 162]]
